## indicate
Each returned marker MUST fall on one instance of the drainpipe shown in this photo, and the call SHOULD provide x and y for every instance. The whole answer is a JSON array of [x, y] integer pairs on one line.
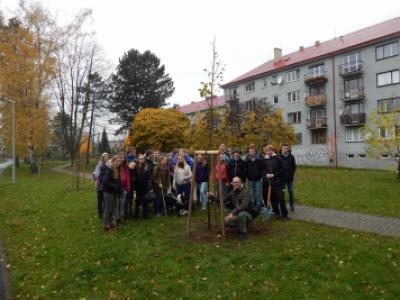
[[334, 107]]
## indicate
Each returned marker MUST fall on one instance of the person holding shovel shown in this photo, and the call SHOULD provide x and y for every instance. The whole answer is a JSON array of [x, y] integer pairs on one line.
[[161, 184], [273, 178]]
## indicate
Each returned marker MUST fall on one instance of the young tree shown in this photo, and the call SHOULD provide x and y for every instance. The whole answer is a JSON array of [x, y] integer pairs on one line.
[[382, 134], [162, 129], [140, 82], [57, 138], [104, 144]]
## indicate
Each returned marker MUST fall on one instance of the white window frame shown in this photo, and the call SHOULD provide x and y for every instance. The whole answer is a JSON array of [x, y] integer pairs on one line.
[[394, 50], [293, 75], [388, 78], [250, 87], [294, 117], [354, 134]]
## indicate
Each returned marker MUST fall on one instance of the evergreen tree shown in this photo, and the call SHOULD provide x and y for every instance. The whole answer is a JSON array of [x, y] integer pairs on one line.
[[140, 82], [104, 145]]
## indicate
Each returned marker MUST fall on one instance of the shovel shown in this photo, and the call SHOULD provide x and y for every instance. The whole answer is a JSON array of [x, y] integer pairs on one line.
[[266, 209]]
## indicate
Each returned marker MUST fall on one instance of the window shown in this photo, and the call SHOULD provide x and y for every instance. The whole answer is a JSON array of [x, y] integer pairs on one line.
[[316, 71], [387, 78], [355, 134], [250, 87], [386, 133], [293, 75], [233, 93], [294, 96], [362, 155], [274, 80], [387, 50], [352, 62], [389, 105], [275, 99], [251, 105], [299, 138], [264, 83], [353, 88], [318, 137], [352, 109], [294, 118], [350, 155], [315, 91]]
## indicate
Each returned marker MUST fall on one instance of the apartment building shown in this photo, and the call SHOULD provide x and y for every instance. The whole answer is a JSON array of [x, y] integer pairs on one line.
[[327, 92], [195, 109]]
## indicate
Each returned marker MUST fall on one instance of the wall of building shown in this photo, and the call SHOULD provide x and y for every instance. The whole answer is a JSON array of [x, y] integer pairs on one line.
[[349, 154]]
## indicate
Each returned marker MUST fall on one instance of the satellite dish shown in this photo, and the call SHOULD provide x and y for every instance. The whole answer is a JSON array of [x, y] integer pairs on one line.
[[280, 80]]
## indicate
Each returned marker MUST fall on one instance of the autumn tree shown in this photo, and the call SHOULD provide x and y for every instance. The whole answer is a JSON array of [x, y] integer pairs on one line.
[[139, 82], [163, 129], [19, 82], [382, 132]]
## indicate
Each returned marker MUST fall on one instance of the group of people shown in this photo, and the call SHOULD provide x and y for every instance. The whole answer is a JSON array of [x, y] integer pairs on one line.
[[164, 180]]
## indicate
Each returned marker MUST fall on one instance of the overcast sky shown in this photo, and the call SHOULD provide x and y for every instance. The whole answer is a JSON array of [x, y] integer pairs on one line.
[[180, 32]]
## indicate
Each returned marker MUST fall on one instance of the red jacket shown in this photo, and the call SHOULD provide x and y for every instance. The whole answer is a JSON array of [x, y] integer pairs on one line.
[[224, 172], [125, 179]]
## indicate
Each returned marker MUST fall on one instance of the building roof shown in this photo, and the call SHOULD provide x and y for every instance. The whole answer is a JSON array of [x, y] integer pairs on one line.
[[340, 44], [201, 105]]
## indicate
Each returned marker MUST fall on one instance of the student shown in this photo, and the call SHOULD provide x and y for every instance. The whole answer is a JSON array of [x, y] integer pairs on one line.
[[161, 184], [289, 169], [131, 154], [181, 183], [273, 177], [202, 177], [237, 167], [242, 213], [223, 175], [98, 176], [254, 171], [112, 190], [143, 179], [126, 187]]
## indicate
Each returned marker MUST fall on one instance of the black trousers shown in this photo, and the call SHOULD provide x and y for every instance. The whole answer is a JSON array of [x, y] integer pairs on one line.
[[277, 200], [141, 201]]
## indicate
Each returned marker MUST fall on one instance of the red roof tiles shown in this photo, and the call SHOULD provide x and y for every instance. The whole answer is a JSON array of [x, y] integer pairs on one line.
[[201, 105], [344, 43]]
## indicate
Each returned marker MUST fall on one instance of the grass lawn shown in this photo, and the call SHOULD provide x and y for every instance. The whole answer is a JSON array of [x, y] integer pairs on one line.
[[56, 249], [368, 191]]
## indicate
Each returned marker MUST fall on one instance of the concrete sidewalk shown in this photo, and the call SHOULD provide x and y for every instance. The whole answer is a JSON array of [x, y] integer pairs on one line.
[[4, 281], [350, 220]]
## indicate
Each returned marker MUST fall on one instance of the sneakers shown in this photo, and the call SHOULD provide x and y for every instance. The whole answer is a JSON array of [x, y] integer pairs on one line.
[[203, 208], [183, 212]]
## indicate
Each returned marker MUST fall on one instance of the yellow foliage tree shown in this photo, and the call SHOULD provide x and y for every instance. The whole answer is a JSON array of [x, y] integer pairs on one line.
[[162, 129], [84, 145], [18, 77]]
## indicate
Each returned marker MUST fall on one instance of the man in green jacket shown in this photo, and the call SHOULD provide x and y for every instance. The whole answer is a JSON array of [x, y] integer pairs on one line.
[[241, 212]]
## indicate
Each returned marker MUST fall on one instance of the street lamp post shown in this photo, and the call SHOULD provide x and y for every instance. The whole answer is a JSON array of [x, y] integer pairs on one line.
[[13, 135]]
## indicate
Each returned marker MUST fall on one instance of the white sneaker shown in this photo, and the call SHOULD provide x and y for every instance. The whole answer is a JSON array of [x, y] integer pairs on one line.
[[183, 212], [203, 208]]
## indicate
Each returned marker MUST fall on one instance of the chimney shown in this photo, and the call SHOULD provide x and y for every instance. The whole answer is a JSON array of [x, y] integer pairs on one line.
[[341, 38], [301, 48], [277, 55], [316, 43]]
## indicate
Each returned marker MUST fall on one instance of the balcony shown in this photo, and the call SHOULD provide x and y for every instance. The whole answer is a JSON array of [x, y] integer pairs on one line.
[[348, 119], [315, 78], [317, 123], [351, 69], [350, 95], [316, 100]]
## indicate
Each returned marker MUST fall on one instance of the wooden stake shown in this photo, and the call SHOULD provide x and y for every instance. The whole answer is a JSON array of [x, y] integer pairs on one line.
[[221, 197], [189, 222]]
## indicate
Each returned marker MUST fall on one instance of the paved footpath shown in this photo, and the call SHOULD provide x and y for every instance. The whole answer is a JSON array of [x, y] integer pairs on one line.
[[350, 220], [4, 282]]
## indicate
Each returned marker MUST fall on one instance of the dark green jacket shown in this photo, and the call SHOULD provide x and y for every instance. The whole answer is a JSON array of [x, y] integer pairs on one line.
[[239, 200]]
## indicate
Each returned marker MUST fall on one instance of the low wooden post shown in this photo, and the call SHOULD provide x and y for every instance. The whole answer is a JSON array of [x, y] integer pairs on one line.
[[189, 222], [221, 197]]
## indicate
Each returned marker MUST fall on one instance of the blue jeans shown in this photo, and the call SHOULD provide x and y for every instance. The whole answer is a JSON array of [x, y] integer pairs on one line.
[[289, 184], [184, 190], [202, 192], [254, 188]]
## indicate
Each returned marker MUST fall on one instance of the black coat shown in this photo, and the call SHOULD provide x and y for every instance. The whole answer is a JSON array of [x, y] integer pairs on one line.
[[255, 169], [143, 179], [110, 185], [237, 168], [289, 167], [274, 165]]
